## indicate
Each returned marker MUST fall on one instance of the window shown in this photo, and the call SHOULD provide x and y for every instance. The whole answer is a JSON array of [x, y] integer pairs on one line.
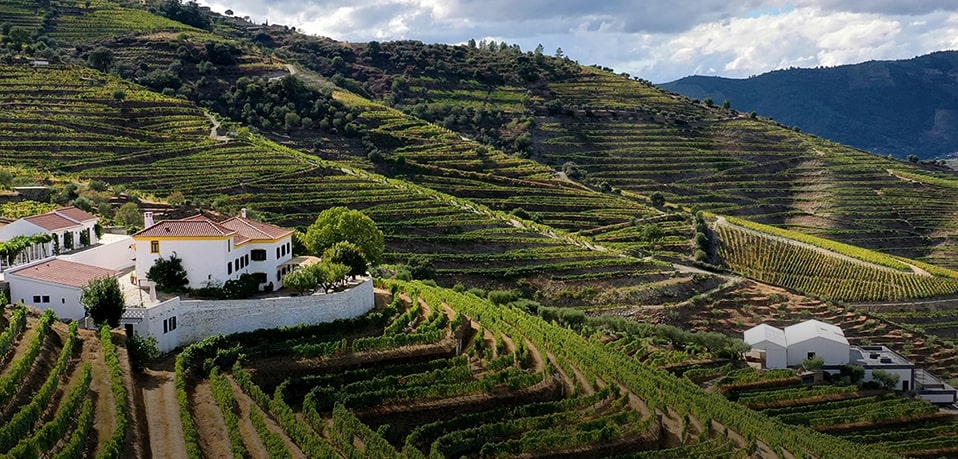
[[277, 253], [63, 301], [46, 299], [260, 277], [154, 246], [811, 355], [165, 325], [258, 255], [246, 260], [229, 245], [229, 268], [172, 323], [36, 299]]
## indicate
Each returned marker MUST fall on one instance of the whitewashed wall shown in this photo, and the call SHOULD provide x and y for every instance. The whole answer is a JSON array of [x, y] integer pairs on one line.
[[196, 320], [113, 253], [64, 300]]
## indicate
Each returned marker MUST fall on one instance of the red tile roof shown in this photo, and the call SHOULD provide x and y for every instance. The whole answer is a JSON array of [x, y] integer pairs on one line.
[[242, 228], [51, 221], [192, 227], [252, 229], [73, 213], [64, 217], [62, 272]]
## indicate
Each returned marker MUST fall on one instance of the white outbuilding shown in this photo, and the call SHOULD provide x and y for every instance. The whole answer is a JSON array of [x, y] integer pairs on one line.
[[771, 340], [811, 339], [55, 284]]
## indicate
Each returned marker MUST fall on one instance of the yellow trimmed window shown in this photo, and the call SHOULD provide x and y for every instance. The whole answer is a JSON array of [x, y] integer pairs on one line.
[[154, 246]]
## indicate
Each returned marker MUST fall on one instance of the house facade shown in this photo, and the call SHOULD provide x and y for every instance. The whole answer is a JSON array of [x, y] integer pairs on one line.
[[215, 252], [54, 284], [70, 228]]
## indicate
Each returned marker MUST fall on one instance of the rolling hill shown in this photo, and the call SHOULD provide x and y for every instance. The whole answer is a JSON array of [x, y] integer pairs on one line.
[[590, 195], [901, 108]]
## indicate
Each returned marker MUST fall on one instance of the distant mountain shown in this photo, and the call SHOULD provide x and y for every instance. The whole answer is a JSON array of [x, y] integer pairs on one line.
[[898, 107]]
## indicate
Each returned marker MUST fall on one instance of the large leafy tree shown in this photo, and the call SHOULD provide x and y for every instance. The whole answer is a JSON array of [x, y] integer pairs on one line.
[[349, 254], [340, 224], [104, 301]]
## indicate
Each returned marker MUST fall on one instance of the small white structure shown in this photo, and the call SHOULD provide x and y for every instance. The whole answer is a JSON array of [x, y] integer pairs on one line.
[[70, 227], [811, 339], [215, 252], [54, 284], [772, 341]]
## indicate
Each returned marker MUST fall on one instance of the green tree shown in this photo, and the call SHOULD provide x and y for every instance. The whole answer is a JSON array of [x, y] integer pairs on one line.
[[104, 301], [347, 253], [330, 275], [913, 158], [658, 199], [301, 280], [129, 215], [886, 379], [651, 233], [339, 224], [169, 274], [101, 59]]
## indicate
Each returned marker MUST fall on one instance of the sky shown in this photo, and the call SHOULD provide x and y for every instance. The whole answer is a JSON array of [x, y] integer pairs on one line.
[[658, 40]]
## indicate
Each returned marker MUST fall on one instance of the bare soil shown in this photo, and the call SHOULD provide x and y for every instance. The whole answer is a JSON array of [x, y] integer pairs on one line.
[[211, 429], [158, 395]]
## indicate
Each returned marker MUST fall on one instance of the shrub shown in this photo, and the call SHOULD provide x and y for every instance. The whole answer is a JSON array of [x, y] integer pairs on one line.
[[169, 274], [142, 349]]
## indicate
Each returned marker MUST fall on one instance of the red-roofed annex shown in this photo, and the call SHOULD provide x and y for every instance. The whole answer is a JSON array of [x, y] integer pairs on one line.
[[55, 284]]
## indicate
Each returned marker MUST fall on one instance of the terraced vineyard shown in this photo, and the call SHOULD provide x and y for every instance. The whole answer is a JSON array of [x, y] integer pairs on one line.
[[639, 139], [440, 159], [61, 390], [440, 374], [741, 306], [79, 22], [909, 427], [757, 252], [160, 145]]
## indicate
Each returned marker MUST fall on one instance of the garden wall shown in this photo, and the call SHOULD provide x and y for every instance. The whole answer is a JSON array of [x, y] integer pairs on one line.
[[177, 323]]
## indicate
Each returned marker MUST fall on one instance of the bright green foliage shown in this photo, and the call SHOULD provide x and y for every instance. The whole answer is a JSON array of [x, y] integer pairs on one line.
[[339, 224], [811, 270], [301, 280]]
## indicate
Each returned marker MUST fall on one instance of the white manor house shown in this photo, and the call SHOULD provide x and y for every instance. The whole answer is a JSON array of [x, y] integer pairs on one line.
[[212, 252], [215, 252]]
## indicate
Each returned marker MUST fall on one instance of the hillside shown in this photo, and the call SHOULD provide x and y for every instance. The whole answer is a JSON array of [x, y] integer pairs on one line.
[[576, 190], [901, 108]]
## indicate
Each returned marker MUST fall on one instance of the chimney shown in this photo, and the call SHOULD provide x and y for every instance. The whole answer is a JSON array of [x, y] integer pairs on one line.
[[243, 212], [147, 219]]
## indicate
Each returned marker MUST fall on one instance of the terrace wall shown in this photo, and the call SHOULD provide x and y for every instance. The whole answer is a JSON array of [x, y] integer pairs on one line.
[[177, 323]]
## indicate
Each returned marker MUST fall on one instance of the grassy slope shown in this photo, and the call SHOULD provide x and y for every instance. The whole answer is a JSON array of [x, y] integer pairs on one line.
[[164, 139]]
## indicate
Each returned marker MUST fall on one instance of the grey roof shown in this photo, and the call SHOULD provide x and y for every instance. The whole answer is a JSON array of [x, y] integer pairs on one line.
[[765, 333], [811, 329]]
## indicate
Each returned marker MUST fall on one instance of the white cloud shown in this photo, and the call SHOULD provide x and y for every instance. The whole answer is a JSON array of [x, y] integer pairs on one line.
[[659, 41]]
